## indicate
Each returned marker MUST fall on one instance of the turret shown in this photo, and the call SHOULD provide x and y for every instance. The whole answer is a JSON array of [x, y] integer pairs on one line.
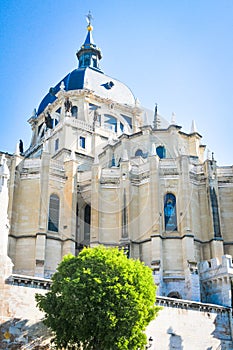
[[89, 55]]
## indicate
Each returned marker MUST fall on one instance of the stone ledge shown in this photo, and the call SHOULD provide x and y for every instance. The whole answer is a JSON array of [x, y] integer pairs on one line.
[[194, 305], [29, 281]]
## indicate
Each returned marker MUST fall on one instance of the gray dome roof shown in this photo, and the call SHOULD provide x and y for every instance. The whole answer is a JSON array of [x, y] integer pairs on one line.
[[89, 78], [88, 75]]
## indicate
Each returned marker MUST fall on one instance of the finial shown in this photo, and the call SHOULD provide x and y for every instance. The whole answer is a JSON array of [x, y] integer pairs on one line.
[[146, 122], [17, 151], [173, 119], [89, 18], [125, 156], [153, 150], [193, 127], [62, 86]]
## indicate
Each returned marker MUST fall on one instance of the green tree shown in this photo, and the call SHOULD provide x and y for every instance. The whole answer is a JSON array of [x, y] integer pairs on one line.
[[100, 300]]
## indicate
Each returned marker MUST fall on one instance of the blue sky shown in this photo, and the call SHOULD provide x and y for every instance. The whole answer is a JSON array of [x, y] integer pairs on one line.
[[177, 53]]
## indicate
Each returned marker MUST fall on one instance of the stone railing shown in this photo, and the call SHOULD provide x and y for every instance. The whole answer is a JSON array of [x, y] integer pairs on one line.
[[32, 163], [79, 124], [57, 165], [225, 171], [29, 281], [188, 304]]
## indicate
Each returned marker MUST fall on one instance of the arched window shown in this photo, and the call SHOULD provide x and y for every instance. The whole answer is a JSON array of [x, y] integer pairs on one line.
[[110, 122], [139, 153], [174, 295], [170, 212], [87, 222], [54, 206], [214, 204], [161, 152], [74, 111]]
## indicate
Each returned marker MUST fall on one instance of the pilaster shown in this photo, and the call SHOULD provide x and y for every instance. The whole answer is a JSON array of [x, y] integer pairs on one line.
[[70, 204], [95, 193]]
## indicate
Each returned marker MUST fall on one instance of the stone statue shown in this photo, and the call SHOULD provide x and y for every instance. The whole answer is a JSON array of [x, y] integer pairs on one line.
[[49, 121], [68, 105], [20, 146]]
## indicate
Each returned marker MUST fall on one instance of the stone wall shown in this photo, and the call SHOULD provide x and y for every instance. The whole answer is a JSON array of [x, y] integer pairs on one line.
[[181, 325]]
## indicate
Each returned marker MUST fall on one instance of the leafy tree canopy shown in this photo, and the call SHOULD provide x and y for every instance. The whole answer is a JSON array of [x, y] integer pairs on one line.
[[100, 300]]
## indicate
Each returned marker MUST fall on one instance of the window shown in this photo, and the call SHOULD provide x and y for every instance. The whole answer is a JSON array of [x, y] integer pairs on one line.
[[174, 295], [170, 212], [87, 222], [53, 220], [94, 60], [161, 152], [111, 122], [214, 205], [56, 145], [128, 119], [139, 153], [82, 142], [74, 111]]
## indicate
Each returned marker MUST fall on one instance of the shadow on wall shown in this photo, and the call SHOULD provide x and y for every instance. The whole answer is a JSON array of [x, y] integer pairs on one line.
[[17, 334], [175, 341], [222, 331]]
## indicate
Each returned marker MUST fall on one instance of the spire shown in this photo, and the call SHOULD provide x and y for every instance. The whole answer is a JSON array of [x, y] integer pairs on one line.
[[89, 55], [156, 118]]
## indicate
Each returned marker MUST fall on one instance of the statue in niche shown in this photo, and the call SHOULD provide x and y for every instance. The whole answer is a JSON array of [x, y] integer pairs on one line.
[[170, 212], [68, 105]]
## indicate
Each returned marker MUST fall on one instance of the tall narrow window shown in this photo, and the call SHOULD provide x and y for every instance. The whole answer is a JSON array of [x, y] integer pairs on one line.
[[74, 111], [56, 145], [87, 222], [54, 206], [214, 204], [170, 212], [82, 142], [161, 152]]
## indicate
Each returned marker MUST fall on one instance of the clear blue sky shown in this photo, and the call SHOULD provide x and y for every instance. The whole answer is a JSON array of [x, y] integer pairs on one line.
[[178, 53]]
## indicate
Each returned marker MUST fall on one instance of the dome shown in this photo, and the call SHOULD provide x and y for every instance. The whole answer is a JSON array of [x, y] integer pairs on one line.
[[94, 80], [89, 76]]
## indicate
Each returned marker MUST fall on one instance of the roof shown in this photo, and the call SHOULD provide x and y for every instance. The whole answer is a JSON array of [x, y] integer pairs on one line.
[[95, 80]]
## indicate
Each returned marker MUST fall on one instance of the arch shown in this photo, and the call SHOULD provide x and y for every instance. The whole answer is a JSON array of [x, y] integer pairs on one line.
[[139, 153], [54, 209], [170, 212], [111, 122], [74, 111], [105, 112], [175, 295], [87, 222], [161, 151]]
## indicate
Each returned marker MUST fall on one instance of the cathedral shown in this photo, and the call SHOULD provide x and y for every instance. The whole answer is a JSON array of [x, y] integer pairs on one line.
[[102, 169]]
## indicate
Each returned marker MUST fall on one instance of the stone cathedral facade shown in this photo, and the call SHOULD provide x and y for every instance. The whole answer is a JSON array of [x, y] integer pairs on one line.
[[102, 169]]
